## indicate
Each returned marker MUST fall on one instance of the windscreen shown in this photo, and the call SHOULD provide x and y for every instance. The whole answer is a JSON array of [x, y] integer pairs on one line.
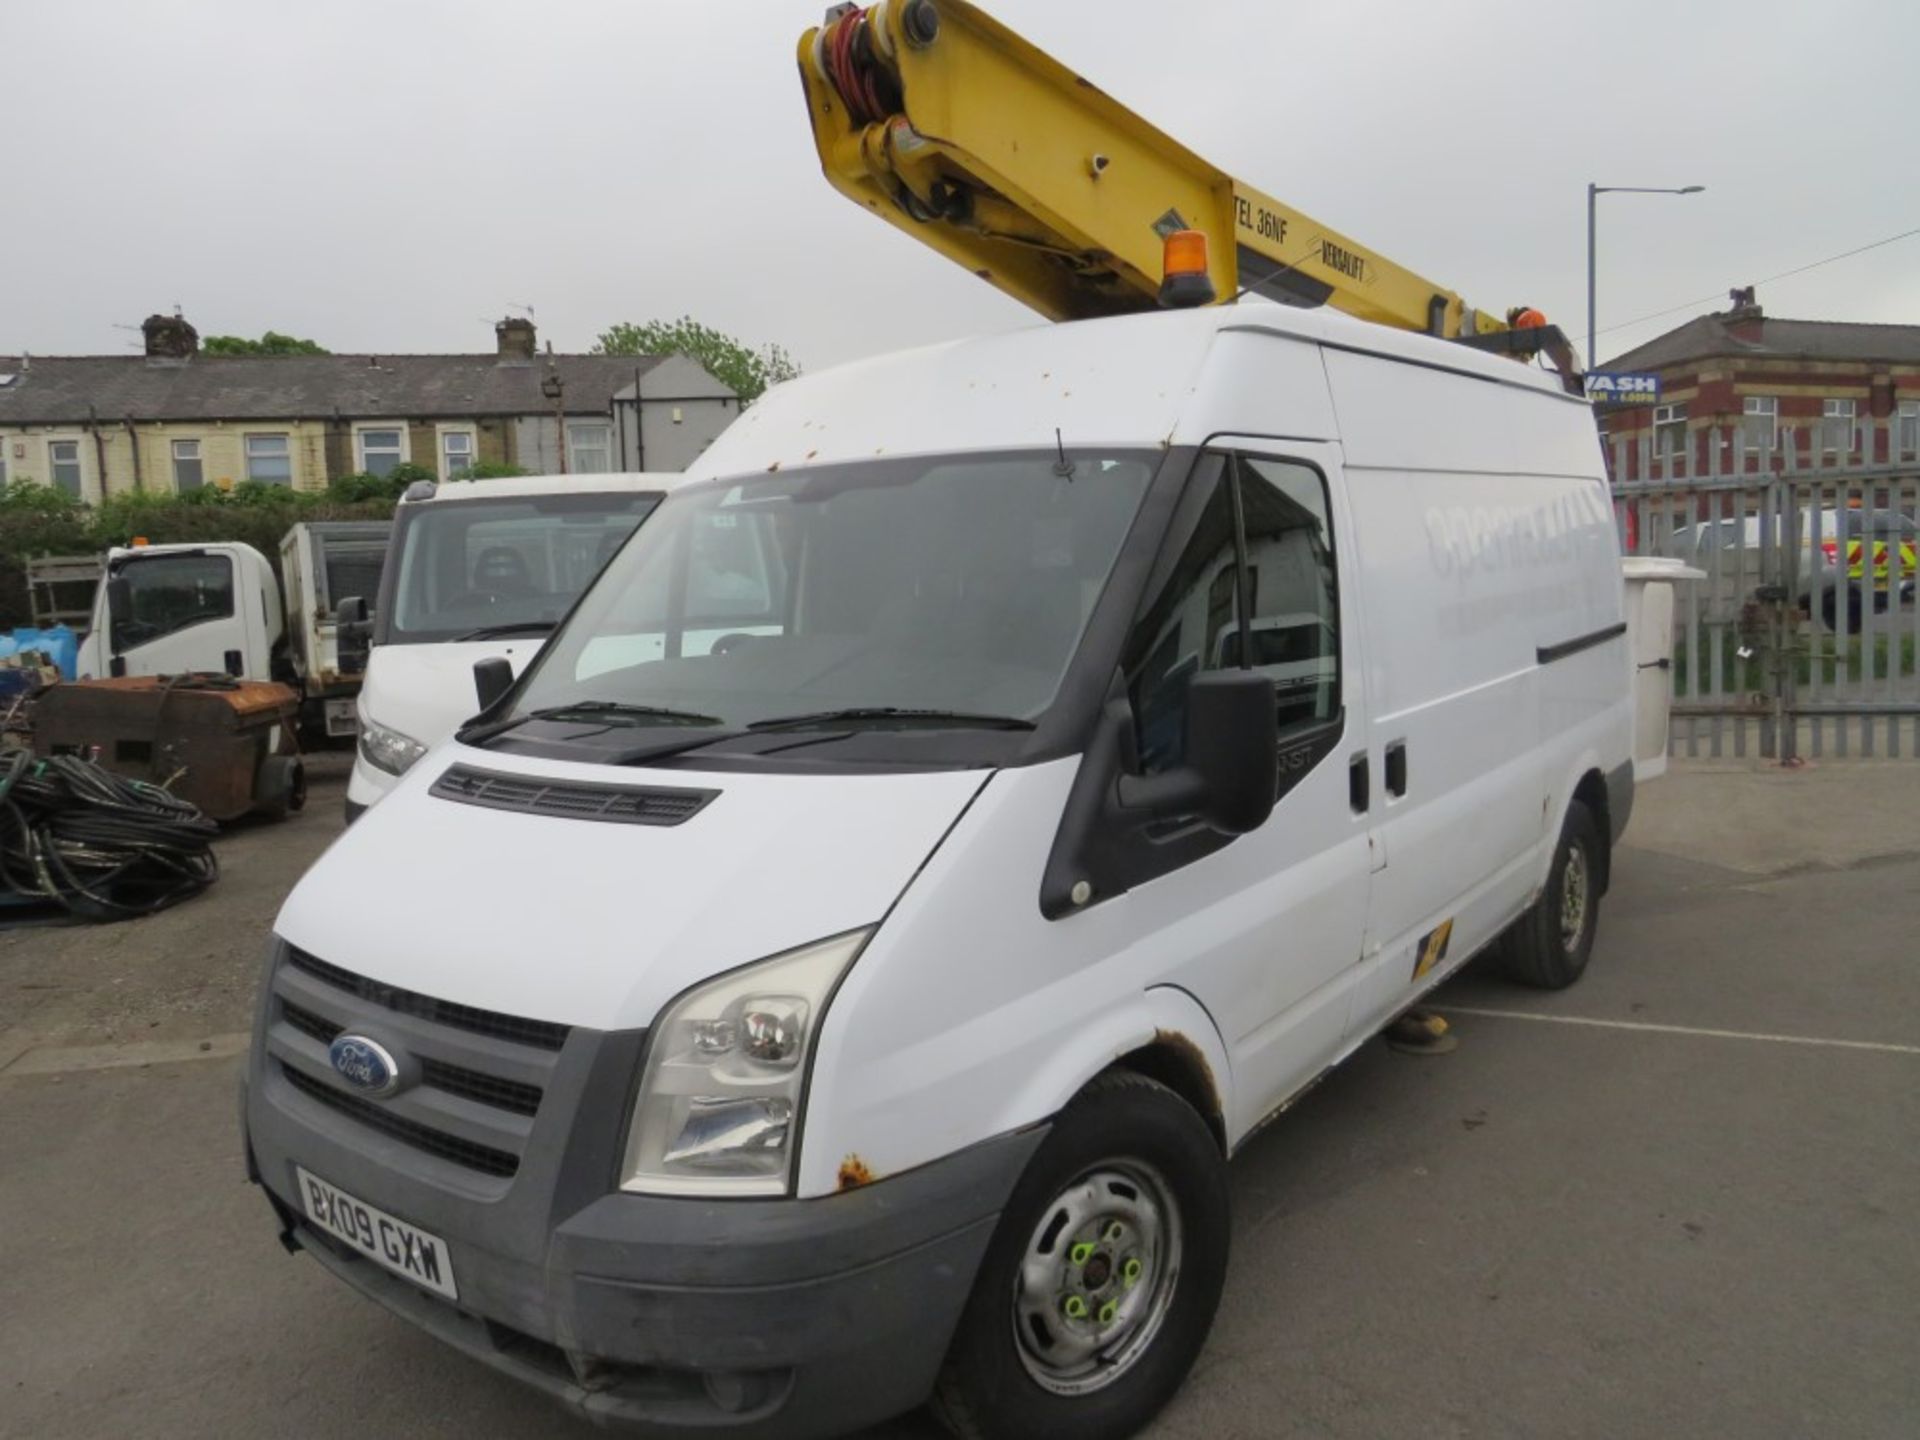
[[940, 584], [470, 568]]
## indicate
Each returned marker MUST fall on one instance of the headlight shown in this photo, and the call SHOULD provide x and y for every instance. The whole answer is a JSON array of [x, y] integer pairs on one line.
[[719, 1106], [386, 749]]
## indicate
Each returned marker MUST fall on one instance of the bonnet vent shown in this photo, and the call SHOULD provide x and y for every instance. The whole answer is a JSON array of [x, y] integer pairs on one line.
[[571, 800]]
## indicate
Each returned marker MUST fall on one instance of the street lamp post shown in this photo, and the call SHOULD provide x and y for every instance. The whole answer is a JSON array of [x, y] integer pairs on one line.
[[1594, 192], [554, 388]]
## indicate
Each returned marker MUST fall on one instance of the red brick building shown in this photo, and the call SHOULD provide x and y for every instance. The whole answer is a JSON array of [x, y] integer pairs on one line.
[[1741, 393]]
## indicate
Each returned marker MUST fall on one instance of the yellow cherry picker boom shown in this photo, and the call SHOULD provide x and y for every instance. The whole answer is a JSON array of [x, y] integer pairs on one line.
[[941, 120]]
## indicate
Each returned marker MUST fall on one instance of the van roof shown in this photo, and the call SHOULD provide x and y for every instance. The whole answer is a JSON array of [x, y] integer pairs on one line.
[[1120, 382], [634, 482]]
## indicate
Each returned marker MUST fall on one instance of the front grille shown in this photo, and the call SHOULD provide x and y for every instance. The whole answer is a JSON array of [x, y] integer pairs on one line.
[[541, 1033], [618, 804], [484, 1158], [509, 1095]]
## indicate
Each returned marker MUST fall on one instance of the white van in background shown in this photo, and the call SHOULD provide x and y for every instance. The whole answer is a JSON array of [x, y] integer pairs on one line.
[[837, 972], [477, 568]]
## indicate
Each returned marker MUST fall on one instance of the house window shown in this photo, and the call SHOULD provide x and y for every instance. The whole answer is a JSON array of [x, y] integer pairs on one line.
[[1836, 425], [188, 472], [1670, 430], [269, 460], [589, 448], [63, 460], [456, 454], [1760, 421], [1907, 439], [381, 449]]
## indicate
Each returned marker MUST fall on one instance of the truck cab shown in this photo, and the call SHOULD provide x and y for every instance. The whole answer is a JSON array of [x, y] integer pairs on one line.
[[170, 609], [477, 569]]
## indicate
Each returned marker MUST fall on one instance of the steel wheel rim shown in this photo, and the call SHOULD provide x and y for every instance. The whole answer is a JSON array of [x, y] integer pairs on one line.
[[1573, 898], [1097, 1278]]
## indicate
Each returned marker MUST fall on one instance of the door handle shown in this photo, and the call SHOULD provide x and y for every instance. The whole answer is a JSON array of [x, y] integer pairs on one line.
[[1397, 769], [1360, 783]]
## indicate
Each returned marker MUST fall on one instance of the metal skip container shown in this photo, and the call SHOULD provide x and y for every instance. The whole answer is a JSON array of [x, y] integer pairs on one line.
[[225, 745]]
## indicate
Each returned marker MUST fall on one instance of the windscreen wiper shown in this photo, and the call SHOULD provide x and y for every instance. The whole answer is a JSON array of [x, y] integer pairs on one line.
[[513, 627], [591, 711], [858, 713]]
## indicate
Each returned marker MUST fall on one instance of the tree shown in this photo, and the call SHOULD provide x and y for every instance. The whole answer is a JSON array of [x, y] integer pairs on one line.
[[747, 370], [271, 343]]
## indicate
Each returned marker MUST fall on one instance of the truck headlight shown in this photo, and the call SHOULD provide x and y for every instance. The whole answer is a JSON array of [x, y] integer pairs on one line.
[[719, 1106], [387, 749]]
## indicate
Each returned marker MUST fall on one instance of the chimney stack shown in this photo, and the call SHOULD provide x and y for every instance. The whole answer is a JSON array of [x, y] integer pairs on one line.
[[1745, 318], [170, 337], [515, 340]]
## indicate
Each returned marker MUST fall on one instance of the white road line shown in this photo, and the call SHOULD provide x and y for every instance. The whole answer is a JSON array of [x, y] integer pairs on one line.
[[1815, 1040]]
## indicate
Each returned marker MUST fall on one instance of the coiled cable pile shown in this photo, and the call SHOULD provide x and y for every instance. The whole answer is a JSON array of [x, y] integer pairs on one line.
[[101, 845]]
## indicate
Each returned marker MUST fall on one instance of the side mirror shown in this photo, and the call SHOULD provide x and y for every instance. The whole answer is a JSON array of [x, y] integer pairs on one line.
[[1232, 767], [492, 678], [119, 609], [353, 633]]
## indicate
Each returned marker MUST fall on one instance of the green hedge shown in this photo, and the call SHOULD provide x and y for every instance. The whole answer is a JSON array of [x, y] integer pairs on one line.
[[36, 520], [39, 520]]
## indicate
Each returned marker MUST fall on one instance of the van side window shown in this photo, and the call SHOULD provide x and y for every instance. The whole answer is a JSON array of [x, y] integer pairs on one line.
[[1270, 554], [1294, 603], [1182, 629]]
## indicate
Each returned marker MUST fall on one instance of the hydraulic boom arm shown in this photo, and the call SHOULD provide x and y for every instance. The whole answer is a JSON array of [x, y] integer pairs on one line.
[[938, 118]]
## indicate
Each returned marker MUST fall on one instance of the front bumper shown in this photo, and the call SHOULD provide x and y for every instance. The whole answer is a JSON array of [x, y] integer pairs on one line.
[[778, 1318]]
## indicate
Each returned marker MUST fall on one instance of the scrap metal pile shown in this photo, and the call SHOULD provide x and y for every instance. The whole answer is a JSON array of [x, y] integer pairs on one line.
[[100, 845]]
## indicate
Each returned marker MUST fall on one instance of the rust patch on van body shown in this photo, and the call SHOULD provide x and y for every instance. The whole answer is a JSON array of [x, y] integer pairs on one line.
[[1197, 1058], [854, 1173]]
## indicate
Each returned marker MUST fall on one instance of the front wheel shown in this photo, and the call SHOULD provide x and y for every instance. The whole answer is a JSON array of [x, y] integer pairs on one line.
[[1103, 1276]]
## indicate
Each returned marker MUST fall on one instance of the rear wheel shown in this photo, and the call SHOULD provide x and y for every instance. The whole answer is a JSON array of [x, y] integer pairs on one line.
[[1830, 608], [1548, 947], [1102, 1279]]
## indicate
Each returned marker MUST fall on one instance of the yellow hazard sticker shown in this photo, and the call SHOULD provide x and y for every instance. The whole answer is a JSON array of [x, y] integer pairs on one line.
[[1433, 948]]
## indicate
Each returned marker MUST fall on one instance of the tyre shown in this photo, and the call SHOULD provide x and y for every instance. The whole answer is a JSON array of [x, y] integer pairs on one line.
[[1548, 946], [1102, 1278], [280, 789], [1830, 610]]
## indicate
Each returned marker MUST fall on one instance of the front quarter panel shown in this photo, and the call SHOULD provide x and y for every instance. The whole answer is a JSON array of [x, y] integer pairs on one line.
[[971, 1015]]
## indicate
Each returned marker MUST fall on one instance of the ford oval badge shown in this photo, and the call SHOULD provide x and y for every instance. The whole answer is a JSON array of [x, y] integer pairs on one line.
[[365, 1064]]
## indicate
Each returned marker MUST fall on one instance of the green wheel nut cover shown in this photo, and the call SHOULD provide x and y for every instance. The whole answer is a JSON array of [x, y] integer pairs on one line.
[[1076, 1308], [1080, 1253], [1108, 1311], [1130, 1272]]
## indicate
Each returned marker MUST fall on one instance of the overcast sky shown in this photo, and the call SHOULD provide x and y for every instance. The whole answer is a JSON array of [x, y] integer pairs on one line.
[[391, 176]]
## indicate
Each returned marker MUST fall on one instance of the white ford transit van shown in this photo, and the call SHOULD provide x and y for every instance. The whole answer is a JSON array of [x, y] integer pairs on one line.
[[476, 568], [836, 973]]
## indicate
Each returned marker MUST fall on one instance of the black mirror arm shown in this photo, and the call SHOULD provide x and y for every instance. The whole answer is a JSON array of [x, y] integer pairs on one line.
[[1176, 792]]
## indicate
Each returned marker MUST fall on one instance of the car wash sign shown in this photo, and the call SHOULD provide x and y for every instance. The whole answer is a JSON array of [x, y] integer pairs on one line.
[[1622, 387]]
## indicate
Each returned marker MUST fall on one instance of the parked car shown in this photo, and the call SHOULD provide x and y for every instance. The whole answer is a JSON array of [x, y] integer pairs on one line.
[[1880, 558]]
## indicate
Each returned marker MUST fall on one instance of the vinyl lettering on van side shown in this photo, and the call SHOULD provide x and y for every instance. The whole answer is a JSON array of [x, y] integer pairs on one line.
[[1490, 538]]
